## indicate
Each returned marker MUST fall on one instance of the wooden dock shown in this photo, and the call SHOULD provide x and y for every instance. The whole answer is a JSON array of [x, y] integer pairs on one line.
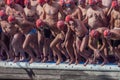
[[51, 71]]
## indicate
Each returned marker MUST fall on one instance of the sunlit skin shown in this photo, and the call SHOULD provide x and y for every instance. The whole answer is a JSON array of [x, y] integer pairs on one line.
[[98, 45], [95, 17], [50, 16], [114, 34], [27, 28]]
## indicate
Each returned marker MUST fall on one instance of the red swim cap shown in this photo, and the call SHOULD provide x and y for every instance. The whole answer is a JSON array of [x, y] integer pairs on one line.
[[91, 2], [39, 22], [68, 18], [11, 18], [9, 2], [114, 4], [26, 2], [106, 33], [2, 13], [60, 24], [41, 1], [94, 34]]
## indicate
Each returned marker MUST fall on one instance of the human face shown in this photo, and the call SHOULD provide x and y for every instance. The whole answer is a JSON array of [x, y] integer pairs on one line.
[[72, 24]]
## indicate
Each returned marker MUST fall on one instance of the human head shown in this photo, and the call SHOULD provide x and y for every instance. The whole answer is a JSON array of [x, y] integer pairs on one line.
[[61, 2], [114, 4], [68, 18], [94, 34], [107, 33], [11, 19], [71, 22], [39, 23], [60, 24], [10, 3]]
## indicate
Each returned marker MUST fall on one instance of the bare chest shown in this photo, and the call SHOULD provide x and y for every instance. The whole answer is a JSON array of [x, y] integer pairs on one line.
[[29, 12], [51, 10]]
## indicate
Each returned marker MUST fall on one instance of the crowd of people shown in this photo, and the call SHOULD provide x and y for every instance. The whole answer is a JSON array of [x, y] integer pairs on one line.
[[70, 31]]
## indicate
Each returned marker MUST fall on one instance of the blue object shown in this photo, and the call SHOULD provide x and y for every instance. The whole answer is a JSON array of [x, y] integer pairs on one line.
[[0, 30], [68, 5], [33, 31]]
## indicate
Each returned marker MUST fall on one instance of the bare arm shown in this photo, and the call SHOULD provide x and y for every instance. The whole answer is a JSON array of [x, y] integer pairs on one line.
[[103, 18], [85, 21], [7, 10], [61, 12], [79, 14], [112, 21], [43, 15], [90, 44], [67, 35], [103, 46]]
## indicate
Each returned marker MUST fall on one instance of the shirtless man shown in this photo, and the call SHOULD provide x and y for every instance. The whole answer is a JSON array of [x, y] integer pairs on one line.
[[75, 12], [30, 44], [3, 23], [80, 32], [16, 36], [39, 11], [50, 15], [97, 43], [115, 16], [30, 11], [15, 9], [114, 34], [44, 30], [95, 16], [59, 39]]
